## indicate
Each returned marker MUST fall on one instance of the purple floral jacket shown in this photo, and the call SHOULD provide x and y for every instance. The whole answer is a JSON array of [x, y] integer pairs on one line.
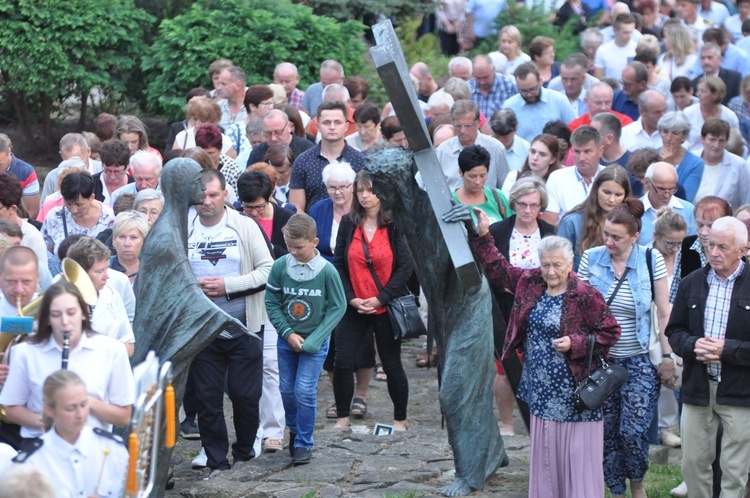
[[583, 311]]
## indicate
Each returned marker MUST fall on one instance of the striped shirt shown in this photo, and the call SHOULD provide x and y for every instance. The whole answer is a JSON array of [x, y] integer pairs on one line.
[[716, 313], [623, 307]]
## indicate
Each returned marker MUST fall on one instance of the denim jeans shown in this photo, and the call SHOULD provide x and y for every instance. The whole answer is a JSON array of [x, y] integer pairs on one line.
[[298, 383]]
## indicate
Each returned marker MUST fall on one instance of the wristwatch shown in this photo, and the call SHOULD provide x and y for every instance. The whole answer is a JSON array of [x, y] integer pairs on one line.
[[667, 355]]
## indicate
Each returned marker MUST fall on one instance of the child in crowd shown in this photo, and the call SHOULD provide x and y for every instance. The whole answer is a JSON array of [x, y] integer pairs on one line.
[[305, 300]]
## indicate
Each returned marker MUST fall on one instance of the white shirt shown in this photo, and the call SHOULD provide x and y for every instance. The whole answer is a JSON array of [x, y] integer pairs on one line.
[[75, 469], [186, 140], [517, 153], [110, 317], [717, 13], [566, 189], [635, 137], [100, 361], [613, 58], [120, 282], [32, 238], [693, 113], [7, 454]]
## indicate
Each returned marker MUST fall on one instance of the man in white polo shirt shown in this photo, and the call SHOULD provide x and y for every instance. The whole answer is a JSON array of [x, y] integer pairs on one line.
[[644, 132], [568, 187]]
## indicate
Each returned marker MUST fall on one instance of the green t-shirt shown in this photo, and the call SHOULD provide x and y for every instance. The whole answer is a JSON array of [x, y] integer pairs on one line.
[[491, 207], [309, 307]]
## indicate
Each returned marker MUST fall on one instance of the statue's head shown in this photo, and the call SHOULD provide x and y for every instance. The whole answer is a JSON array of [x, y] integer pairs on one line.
[[181, 180], [391, 172]]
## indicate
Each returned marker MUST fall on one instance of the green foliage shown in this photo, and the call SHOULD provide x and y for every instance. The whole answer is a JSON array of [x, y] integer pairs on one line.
[[423, 49], [255, 34], [54, 49], [358, 9], [536, 22], [164, 9]]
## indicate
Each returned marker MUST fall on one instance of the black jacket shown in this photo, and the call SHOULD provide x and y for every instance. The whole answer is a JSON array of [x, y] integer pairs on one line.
[[686, 327], [501, 232], [689, 259], [280, 217], [99, 186], [402, 263], [732, 79]]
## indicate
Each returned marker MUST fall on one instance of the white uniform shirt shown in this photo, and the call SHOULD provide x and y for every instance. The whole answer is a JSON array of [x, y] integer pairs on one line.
[[566, 189], [110, 317], [75, 468], [100, 361]]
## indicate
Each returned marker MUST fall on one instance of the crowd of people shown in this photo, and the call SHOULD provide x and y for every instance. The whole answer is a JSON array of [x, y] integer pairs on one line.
[[604, 194]]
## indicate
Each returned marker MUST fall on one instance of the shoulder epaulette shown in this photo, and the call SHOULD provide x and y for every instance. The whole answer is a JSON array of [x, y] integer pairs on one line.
[[106, 434], [24, 454]]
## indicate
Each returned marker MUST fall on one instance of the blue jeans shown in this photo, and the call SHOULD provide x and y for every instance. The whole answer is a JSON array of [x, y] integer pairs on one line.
[[298, 384]]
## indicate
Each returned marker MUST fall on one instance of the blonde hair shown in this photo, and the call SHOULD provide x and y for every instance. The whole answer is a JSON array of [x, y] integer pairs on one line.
[[53, 384], [678, 43]]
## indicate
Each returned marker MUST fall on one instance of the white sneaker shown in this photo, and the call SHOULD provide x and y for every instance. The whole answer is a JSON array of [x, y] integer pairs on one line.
[[680, 491], [669, 438], [201, 460]]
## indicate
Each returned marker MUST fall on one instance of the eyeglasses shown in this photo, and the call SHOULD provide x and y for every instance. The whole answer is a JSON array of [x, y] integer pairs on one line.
[[268, 103], [258, 209], [662, 190], [465, 126], [341, 189], [275, 133], [671, 245], [527, 91], [522, 206]]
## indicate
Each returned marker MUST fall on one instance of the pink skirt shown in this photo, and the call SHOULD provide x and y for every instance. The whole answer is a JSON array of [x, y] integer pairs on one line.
[[566, 459]]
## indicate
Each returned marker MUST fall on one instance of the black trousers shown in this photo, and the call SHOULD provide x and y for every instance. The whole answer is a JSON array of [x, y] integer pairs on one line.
[[240, 361], [350, 332]]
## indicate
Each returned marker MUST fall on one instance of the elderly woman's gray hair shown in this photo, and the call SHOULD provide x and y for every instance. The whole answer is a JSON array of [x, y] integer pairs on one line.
[[338, 171], [128, 220], [554, 243], [147, 194], [732, 224], [675, 120], [528, 185]]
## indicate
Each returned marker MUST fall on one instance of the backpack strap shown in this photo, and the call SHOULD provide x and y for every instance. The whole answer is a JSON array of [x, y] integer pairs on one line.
[[649, 265], [500, 206]]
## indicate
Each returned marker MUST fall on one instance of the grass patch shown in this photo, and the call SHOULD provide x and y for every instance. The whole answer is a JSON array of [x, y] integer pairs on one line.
[[659, 481], [405, 494]]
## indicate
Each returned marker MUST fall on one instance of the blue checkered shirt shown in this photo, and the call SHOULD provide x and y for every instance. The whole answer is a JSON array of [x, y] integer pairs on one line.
[[718, 303], [502, 89]]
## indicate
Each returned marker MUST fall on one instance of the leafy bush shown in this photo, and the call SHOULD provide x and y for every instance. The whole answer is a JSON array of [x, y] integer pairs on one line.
[[50, 51], [358, 9], [255, 34], [535, 22]]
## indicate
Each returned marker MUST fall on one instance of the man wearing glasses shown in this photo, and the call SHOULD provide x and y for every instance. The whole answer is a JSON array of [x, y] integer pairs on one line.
[[634, 83], [465, 121], [277, 130], [660, 183], [536, 106]]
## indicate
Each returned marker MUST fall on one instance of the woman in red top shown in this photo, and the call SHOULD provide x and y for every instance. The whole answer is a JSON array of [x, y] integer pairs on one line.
[[391, 260]]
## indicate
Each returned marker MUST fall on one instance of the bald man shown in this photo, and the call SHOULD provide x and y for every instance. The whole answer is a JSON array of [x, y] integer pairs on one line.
[[287, 76], [427, 84], [598, 100], [660, 185], [490, 89]]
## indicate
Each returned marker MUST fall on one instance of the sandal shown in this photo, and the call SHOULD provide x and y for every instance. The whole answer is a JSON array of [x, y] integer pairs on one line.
[[359, 408], [331, 412], [423, 362], [380, 373], [272, 445]]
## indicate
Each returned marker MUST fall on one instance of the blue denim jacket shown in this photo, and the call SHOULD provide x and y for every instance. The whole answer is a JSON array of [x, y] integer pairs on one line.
[[601, 276]]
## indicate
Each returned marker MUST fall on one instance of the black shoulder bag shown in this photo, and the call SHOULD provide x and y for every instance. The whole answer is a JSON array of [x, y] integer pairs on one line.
[[403, 311], [599, 384]]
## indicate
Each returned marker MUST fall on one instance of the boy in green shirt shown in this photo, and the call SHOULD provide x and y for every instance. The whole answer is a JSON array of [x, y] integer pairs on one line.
[[305, 300]]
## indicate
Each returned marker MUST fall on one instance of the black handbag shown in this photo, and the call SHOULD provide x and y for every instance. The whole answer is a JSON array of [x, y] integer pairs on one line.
[[403, 311], [599, 384]]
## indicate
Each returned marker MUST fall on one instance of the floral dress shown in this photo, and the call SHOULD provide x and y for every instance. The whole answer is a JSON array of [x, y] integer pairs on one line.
[[547, 383], [523, 250], [59, 224]]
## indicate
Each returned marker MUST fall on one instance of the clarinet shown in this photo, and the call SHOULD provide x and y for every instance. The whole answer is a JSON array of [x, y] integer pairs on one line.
[[65, 350]]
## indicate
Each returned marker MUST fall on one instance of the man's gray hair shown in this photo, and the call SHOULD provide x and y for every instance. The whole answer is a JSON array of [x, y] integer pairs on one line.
[[278, 113], [70, 140], [26, 481], [529, 185], [334, 91], [440, 98], [145, 195], [331, 65], [144, 158], [73, 162], [591, 35], [236, 73], [610, 124], [711, 47], [643, 98], [255, 126], [286, 64], [651, 170], [674, 120], [460, 61], [462, 107], [730, 223], [554, 243]]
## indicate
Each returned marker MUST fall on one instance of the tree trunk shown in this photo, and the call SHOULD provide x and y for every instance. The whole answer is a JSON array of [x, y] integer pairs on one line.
[[46, 111], [22, 113], [84, 109]]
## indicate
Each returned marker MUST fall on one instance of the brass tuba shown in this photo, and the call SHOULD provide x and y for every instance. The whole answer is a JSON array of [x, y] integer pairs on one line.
[[73, 273]]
